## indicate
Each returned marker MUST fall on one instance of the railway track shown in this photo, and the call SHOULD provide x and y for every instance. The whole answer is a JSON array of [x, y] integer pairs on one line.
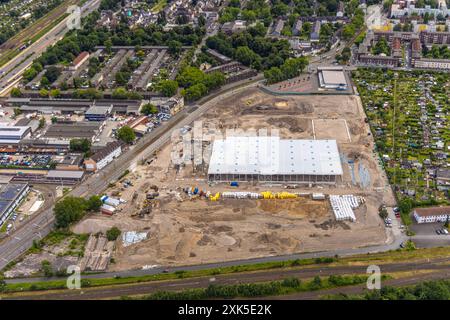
[[17, 40]]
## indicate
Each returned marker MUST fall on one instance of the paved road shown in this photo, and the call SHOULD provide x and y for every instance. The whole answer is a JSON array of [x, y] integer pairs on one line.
[[306, 272], [11, 73]]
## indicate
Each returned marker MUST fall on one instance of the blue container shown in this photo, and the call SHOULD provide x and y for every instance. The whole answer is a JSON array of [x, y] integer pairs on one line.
[[234, 184]]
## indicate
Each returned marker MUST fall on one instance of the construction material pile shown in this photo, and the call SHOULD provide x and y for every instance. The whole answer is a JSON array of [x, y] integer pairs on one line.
[[343, 206], [251, 195], [97, 253], [132, 237], [241, 195], [278, 195]]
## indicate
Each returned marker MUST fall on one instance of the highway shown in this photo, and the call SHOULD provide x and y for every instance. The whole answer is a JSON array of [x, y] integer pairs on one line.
[[435, 266], [11, 72]]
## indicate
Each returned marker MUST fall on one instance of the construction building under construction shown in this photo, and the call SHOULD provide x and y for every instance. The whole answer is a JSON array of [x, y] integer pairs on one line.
[[271, 159]]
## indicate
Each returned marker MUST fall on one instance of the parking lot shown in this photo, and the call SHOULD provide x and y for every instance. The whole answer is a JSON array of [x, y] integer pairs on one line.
[[32, 161], [427, 229]]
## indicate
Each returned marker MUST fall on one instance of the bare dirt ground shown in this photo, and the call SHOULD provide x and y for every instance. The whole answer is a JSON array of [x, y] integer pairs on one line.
[[190, 231]]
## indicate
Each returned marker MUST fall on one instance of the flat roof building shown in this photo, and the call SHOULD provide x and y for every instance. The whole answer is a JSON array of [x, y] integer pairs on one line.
[[68, 131], [433, 214], [13, 134], [332, 78], [98, 113], [271, 159]]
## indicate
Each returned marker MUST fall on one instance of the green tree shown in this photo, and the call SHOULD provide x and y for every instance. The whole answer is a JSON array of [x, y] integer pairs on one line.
[[168, 87], [174, 47], [2, 284], [149, 109], [126, 134], [108, 45], [68, 210], [15, 92], [17, 112], [52, 73], [195, 92], [46, 268], [80, 145], [55, 93], [383, 213], [245, 55], [94, 203], [41, 122], [113, 233], [120, 93], [43, 93]]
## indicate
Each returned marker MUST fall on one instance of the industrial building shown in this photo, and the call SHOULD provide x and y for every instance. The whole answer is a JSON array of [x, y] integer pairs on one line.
[[332, 78], [50, 106], [103, 157], [97, 113], [11, 195], [60, 177], [13, 135], [67, 131], [271, 159], [433, 214]]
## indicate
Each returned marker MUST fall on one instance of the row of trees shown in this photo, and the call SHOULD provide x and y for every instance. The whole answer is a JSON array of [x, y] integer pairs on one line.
[[196, 83], [288, 285], [289, 69], [430, 290], [436, 52], [355, 24]]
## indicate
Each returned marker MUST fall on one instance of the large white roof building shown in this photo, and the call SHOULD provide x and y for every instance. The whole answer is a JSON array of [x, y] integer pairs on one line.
[[267, 158]]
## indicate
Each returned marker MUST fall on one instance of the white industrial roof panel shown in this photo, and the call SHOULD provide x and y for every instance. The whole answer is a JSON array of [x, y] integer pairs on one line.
[[271, 155]]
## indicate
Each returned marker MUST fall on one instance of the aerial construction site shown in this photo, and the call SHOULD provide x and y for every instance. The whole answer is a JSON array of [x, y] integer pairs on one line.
[[171, 214]]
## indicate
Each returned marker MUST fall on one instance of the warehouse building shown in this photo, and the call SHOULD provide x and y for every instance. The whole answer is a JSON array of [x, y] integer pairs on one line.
[[50, 106], [76, 130], [10, 135], [11, 194], [96, 113], [271, 159], [433, 214], [104, 156], [332, 78]]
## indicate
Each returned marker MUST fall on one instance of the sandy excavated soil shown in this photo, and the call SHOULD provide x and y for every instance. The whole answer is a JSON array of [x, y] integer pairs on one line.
[[199, 231]]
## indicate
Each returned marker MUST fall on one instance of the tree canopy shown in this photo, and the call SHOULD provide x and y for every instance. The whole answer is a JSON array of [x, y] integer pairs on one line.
[[126, 134]]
